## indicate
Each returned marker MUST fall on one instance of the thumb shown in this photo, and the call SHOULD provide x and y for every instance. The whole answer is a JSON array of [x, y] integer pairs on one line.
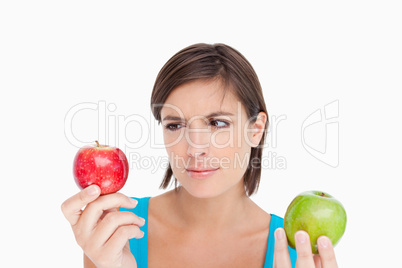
[[71, 208], [89, 194]]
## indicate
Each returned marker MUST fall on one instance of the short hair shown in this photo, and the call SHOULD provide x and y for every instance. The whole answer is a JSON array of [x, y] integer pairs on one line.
[[214, 61]]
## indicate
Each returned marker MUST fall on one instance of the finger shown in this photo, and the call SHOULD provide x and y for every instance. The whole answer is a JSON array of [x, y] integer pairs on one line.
[[317, 261], [327, 254], [120, 237], [92, 213], [71, 208], [106, 212], [303, 249], [111, 222], [281, 253]]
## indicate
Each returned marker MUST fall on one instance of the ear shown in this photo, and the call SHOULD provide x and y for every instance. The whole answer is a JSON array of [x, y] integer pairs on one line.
[[258, 128]]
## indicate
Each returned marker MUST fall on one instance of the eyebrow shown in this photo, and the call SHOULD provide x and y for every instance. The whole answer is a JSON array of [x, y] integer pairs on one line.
[[215, 114]]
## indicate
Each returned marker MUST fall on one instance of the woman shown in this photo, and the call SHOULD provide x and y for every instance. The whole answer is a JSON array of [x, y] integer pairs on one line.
[[210, 103]]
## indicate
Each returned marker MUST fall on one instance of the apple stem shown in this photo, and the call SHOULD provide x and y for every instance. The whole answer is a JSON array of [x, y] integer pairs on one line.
[[97, 144]]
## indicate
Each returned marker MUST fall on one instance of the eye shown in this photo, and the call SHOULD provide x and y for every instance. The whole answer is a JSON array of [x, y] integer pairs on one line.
[[219, 123], [173, 127]]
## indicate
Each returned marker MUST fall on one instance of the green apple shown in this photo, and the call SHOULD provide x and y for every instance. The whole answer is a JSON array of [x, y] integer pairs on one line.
[[318, 214]]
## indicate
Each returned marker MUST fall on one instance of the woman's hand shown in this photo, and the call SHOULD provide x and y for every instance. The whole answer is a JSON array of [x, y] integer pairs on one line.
[[100, 229], [305, 257]]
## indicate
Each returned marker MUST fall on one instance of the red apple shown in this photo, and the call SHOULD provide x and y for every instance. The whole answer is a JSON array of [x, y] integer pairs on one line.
[[102, 165]]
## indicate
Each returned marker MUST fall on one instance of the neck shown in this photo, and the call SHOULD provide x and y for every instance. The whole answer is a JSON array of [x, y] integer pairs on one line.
[[216, 213]]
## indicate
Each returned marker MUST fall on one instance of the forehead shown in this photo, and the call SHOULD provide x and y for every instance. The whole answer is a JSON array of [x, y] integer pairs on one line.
[[200, 98]]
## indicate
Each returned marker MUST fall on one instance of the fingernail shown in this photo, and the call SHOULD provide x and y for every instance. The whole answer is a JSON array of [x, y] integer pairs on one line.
[[323, 242], [301, 237], [279, 234], [133, 201], [142, 219], [92, 190]]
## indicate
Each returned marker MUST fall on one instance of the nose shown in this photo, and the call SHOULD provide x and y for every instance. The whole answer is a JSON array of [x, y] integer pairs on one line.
[[198, 140]]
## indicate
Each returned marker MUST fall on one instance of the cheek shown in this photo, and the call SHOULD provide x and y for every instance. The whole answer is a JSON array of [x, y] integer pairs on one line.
[[240, 151], [236, 156], [172, 138], [223, 139], [231, 137], [176, 150]]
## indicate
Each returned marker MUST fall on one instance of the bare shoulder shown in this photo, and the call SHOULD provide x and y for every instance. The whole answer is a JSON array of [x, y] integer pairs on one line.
[[260, 217], [161, 206]]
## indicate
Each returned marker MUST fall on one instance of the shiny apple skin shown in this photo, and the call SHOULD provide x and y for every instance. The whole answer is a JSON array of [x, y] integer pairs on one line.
[[317, 213], [104, 166]]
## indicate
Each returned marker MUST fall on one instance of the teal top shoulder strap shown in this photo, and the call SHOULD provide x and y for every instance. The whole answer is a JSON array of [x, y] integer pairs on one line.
[[276, 222], [139, 247]]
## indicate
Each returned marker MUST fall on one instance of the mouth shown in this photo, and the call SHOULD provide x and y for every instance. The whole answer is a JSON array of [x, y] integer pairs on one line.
[[201, 173]]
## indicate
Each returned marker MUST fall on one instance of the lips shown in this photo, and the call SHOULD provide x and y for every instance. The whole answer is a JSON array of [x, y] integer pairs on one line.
[[201, 173], [201, 170]]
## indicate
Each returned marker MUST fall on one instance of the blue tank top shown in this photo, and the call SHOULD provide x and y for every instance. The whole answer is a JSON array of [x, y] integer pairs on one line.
[[139, 247]]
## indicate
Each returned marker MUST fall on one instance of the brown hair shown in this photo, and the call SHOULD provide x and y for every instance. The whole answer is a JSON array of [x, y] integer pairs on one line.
[[217, 61]]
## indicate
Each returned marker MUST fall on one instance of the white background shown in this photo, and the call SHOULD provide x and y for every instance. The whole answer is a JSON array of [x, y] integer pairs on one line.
[[58, 54]]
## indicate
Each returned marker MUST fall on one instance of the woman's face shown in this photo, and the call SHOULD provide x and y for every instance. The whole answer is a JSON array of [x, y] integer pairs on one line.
[[208, 137]]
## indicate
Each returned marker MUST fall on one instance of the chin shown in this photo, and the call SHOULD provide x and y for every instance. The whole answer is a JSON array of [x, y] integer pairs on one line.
[[203, 191], [210, 187]]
